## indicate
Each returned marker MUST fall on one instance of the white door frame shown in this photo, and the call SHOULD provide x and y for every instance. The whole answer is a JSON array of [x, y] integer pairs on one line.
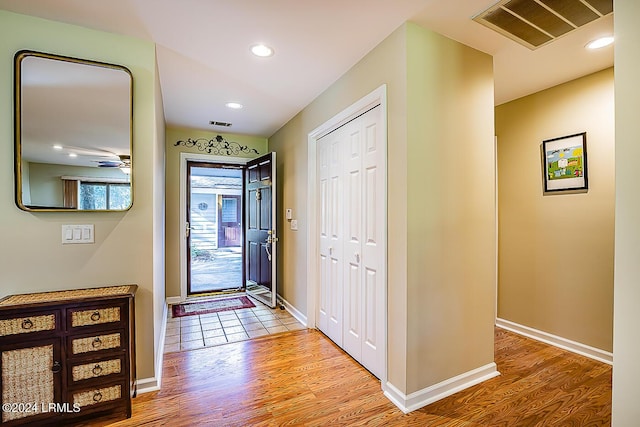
[[378, 96], [184, 158]]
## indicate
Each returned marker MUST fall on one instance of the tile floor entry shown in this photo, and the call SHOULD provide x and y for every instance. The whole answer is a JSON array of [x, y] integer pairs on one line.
[[211, 329]]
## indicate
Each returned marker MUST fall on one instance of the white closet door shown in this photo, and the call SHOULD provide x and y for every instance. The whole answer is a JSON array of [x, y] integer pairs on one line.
[[331, 240], [372, 255], [352, 220], [352, 202]]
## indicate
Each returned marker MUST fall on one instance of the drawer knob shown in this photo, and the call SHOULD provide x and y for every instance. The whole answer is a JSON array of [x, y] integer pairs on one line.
[[27, 324], [97, 370], [56, 367], [97, 396], [95, 316], [96, 342]]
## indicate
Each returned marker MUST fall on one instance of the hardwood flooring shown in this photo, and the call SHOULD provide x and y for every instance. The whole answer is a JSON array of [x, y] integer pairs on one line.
[[301, 378]]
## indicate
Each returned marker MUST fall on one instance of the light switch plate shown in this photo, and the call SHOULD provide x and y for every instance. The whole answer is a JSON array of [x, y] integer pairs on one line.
[[294, 224], [289, 213], [77, 234]]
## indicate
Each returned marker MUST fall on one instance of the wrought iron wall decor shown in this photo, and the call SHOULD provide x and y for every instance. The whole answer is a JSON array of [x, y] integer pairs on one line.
[[218, 146]]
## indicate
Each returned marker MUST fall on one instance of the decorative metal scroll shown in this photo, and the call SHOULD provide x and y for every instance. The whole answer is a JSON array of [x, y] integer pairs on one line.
[[218, 146]]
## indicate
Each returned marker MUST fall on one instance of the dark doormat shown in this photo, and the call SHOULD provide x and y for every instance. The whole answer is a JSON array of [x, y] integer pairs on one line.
[[213, 306]]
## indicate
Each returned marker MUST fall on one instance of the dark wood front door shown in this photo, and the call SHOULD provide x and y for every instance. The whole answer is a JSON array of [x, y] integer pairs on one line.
[[260, 184]]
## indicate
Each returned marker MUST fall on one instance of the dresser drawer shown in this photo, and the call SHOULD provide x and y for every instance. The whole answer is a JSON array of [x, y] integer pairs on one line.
[[104, 315], [107, 367], [28, 324], [96, 396], [98, 342]]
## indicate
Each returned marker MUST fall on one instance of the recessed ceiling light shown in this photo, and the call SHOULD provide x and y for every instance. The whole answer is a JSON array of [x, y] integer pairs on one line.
[[73, 155], [57, 147], [601, 42], [234, 105], [261, 50]]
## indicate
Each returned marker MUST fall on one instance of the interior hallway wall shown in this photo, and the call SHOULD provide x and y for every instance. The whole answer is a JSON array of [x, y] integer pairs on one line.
[[556, 250], [441, 200], [32, 257], [626, 338]]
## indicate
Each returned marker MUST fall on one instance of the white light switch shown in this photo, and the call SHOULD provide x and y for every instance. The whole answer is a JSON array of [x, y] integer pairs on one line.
[[75, 234], [294, 224], [289, 213]]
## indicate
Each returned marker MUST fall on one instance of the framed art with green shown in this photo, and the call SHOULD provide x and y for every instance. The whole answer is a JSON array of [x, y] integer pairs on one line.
[[565, 163]]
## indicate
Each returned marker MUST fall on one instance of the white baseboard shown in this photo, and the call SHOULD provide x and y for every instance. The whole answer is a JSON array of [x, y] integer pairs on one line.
[[147, 385], [293, 311], [426, 396], [173, 300], [556, 341]]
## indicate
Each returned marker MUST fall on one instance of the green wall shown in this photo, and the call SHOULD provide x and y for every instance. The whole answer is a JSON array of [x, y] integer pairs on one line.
[[32, 257]]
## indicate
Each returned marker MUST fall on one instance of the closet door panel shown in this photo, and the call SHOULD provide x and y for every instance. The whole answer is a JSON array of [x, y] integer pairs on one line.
[[324, 218], [373, 256], [353, 242]]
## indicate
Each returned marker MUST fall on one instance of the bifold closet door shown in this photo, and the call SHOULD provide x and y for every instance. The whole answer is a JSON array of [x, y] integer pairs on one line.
[[351, 207], [330, 182]]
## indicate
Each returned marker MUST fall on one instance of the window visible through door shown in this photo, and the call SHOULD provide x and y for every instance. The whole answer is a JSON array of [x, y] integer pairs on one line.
[[215, 228]]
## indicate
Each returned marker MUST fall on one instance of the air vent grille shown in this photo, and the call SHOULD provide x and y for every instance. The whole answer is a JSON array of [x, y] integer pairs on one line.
[[535, 23], [216, 123]]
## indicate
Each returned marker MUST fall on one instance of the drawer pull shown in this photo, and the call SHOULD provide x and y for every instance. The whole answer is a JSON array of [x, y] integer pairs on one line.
[[56, 367], [96, 342], [27, 324], [97, 370], [95, 316], [97, 396]]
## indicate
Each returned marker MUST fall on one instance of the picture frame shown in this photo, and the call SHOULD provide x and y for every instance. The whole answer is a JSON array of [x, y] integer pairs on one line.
[[565, 163]]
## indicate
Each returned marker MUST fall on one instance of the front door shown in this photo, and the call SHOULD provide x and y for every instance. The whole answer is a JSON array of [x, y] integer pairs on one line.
[[214, 225], [260, 197]]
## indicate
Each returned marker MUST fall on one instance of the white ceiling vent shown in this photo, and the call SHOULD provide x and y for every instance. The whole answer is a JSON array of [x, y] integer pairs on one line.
[[534, 23]]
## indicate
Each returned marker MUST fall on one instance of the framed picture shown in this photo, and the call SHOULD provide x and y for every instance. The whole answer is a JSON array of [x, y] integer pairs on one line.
[[565, 163]]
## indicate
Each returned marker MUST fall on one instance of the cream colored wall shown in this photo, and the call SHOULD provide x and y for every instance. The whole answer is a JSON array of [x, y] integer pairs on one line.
[[451, 209], [626, 345], [440, 322], [172, 180], [32, 257], [556, 251], [159, 247], [386, 63]]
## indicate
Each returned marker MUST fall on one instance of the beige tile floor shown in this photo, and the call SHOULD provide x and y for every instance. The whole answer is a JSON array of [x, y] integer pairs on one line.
[[211, 329]]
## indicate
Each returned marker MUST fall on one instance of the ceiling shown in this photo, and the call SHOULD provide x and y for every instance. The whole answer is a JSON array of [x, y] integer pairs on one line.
[[204, 59]]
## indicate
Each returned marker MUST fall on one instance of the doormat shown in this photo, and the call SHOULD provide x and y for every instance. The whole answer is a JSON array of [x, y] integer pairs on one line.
[[213, 306]]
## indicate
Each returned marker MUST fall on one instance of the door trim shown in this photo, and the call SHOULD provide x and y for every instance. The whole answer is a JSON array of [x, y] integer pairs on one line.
[[196, 157], [378, 96]]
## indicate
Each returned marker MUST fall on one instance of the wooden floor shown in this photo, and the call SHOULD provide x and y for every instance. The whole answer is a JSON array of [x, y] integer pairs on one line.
[[302, 379]]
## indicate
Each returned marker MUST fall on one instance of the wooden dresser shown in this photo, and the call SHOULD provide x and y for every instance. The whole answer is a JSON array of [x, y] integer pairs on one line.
[[67, 354]]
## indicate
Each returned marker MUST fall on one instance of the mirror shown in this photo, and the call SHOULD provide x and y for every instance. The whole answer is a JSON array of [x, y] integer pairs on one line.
[[73, 127]]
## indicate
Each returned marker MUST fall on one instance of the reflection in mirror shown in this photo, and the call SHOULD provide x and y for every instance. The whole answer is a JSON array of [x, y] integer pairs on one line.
[[73, 134]]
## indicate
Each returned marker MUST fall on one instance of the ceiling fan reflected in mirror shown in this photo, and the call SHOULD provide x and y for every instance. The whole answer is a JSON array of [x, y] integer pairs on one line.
[[123, 163]]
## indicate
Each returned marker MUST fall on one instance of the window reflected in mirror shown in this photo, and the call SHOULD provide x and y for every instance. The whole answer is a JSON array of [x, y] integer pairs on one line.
[[73, 126]]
